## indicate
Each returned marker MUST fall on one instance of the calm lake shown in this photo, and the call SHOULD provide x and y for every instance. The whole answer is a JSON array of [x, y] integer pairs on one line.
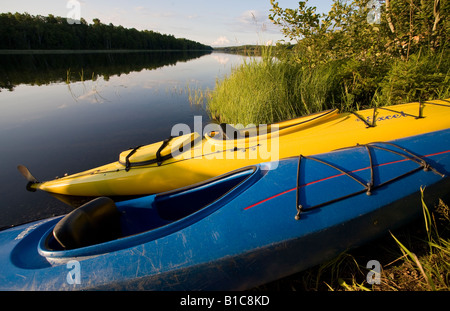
[[64, 113]]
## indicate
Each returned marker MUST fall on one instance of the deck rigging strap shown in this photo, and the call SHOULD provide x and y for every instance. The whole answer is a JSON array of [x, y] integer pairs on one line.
[[369, 186], [158, 157], [297, 205], [419, 116], [368, 125], [166, 141], [437, 104], [127, 159]]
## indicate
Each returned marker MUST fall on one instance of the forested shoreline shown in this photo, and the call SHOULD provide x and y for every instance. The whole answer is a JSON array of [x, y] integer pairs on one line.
[[362, 53], [27, 32]]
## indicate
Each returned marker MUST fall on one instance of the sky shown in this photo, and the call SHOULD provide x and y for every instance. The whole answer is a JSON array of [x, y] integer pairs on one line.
[[211, 22]]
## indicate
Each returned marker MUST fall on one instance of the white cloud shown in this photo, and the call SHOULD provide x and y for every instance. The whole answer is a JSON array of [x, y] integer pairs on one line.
[[222, 40], [221, 59]]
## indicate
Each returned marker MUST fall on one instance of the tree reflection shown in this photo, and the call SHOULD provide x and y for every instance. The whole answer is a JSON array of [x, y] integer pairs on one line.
[[42, 69]]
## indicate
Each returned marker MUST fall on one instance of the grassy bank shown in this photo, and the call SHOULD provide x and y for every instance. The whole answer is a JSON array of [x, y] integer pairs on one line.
[[274, 88], [256, 91], [413, 258]]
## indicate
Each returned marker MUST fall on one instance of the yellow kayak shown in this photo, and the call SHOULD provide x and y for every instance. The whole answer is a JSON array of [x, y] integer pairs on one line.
[[195, 157]]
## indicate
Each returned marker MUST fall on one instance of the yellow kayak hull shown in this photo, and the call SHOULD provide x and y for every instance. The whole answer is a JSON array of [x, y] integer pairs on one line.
[[151, 169]]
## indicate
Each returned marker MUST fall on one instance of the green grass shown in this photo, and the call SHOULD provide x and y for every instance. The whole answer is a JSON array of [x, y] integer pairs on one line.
[[429, 271], [268, 89], [257, 92], [424, 76], [413, 258]]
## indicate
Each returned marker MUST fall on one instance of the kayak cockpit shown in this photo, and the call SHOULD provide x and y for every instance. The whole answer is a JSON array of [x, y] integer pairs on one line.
[[102, 225]]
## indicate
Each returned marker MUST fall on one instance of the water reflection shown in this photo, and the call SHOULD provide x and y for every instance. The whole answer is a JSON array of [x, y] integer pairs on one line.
[[222, 58], [54, 127], [41, 69]]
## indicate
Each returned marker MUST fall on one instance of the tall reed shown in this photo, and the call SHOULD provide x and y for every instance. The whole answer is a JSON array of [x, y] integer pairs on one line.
[[266, 90], [269, 89]]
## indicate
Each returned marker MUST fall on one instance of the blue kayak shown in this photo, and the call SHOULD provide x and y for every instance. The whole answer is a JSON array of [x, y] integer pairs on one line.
[[236, 231]]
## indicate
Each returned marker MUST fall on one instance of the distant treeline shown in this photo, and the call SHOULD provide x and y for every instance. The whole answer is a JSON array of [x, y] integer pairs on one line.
[[28, 32], [248, 50]]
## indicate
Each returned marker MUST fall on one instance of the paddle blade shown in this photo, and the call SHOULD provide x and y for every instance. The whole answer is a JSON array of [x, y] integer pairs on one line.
[[26, 173]]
